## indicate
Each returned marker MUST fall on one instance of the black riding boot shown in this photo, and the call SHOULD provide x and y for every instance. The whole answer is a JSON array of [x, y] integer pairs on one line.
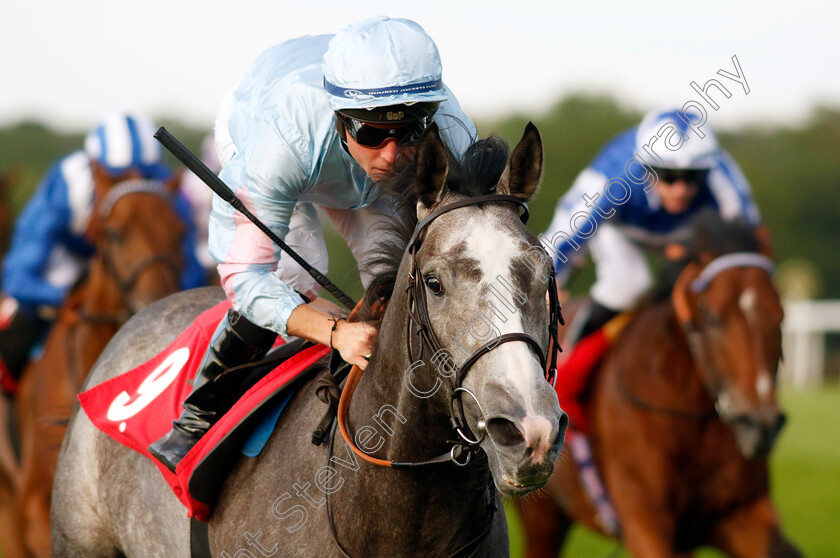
[[236, 341], [597, 315]]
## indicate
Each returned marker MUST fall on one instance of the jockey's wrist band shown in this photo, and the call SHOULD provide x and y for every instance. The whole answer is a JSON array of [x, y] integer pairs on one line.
[[332, 331]]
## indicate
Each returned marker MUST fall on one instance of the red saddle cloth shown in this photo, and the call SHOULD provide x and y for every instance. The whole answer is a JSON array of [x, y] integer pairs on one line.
[[138, 407], [574, 372]]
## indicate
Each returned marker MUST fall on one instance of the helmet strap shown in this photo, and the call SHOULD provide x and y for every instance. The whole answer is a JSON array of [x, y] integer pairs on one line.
[[342, 131]]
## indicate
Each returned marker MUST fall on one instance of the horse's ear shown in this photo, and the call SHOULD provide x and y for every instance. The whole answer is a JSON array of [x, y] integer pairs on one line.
[[431, 170], [682, 297], [523, 174], [102, 181], [173, 183], [764, 240]]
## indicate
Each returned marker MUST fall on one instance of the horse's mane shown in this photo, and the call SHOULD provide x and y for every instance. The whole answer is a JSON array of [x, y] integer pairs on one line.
[[711, 236], [476, 173]]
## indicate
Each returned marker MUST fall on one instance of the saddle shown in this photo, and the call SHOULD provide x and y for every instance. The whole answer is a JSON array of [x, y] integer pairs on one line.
[[138, 406], [575, 371]]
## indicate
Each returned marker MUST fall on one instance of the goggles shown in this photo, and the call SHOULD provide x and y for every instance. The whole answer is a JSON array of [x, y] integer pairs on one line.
[[373, 137], [690, 176]]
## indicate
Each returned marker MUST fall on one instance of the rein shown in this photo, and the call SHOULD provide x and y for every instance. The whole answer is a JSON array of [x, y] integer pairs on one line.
[[470, 547]]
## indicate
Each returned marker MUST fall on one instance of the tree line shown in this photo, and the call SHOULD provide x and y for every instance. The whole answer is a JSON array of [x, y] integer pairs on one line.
[[794, 171]]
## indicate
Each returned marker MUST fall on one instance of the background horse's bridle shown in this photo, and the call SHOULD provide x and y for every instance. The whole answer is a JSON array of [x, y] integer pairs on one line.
[[466, 441], [694, 336], [126, 283]]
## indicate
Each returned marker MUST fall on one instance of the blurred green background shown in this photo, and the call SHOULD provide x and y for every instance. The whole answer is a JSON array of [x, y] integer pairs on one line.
[[794, 172], [795, 175], [805, 483]]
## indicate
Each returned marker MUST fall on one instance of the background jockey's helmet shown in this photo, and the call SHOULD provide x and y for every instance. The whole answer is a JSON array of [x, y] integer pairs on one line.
[[126, 141], [379, 67], [663, 130]]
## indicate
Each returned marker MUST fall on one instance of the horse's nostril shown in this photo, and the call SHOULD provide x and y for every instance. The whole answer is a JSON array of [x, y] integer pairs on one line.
[[504, 432], [561, 432], [781, 419]]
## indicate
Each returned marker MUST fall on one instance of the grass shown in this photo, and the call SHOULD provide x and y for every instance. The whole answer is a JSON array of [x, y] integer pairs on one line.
[[806, 483]]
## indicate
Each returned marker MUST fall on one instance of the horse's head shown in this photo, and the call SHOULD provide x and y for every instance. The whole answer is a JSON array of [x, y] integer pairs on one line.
[[732, 314], [138, 237], [480, 302]]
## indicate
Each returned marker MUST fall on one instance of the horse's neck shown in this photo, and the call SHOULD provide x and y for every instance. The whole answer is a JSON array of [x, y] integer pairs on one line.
[[670, 356], [415, 427], [102, 293], [100, 298]]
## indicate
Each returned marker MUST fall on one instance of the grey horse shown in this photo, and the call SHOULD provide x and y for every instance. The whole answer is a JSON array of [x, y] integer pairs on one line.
[[473, 285]]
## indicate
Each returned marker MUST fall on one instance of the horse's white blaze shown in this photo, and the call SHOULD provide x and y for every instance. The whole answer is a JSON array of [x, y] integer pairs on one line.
[[747, 300], [764, 384], [496, 251]]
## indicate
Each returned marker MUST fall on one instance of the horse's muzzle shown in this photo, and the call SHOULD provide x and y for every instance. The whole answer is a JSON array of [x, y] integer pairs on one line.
[[756, 432], [529, 448]]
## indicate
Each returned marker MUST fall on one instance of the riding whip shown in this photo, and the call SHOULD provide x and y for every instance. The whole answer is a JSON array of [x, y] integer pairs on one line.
[[215, 183]]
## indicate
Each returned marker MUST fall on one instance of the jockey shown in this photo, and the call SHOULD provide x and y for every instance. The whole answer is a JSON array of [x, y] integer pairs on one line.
[[315, 122], [49, 249], [645, 183]]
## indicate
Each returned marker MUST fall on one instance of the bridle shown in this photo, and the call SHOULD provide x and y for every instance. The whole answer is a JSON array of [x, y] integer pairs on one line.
[[685, 282], [423, 331], [126, 283], [466, 443]]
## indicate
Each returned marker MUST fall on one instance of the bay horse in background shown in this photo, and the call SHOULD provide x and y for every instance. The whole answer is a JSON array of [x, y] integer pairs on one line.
[[110, 501], [138, 240], [682, 415]]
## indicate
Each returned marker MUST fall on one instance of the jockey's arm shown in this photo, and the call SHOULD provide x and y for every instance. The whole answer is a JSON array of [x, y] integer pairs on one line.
[[42, 223], [353, 340], [275, 179], [567, 234]]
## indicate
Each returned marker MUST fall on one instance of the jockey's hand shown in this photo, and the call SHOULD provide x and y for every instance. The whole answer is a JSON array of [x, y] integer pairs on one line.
[[354, 341]]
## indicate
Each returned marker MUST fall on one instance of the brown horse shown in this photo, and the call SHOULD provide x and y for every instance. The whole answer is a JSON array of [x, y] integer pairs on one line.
[[682, 415], [137, 236]]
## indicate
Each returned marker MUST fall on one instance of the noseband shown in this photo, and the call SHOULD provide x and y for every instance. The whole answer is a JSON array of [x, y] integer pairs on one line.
[[467, 443]]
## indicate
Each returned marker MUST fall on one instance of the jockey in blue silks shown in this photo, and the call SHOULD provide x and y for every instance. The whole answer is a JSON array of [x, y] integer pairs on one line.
[[49, 250], [645, 183], [315, 122]]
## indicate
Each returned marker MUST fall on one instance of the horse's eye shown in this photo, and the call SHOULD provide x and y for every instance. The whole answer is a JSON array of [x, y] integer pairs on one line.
[[434, 285], [711, 318], [112, 235]]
